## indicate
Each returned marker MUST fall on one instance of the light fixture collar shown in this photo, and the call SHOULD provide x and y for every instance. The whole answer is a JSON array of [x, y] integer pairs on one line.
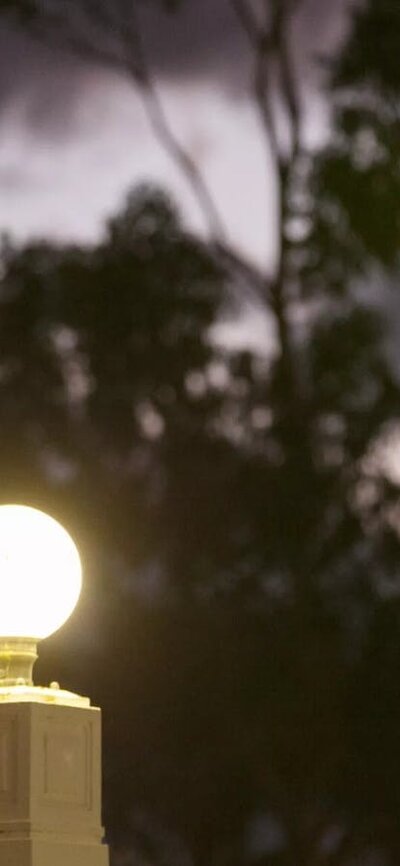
[[17, 658]]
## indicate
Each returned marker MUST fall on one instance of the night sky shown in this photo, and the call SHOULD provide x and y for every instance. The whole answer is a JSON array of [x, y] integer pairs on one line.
[[74, 137]]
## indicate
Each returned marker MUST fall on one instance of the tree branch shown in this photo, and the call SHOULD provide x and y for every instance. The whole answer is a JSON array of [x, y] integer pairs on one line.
[[164, 133], [289, 91], [115, 41], [247, 20], [259, 37], [257, 283], [182, 159], [286, 278], [267, 45], [268, 42]]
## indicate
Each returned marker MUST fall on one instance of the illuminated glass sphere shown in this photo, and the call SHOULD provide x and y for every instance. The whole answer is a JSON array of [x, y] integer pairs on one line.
[[40, 573]]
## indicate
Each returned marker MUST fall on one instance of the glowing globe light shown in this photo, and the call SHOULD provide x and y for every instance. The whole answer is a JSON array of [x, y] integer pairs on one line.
[[40, 573]]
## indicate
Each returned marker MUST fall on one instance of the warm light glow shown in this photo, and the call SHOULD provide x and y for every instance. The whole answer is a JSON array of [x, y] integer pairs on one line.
[[40, 573]]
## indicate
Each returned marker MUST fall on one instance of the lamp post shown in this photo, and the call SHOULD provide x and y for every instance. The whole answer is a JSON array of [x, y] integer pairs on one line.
[[50, 739]]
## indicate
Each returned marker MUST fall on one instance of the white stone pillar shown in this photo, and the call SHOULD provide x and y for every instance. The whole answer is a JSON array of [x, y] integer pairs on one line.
[[50, 779]]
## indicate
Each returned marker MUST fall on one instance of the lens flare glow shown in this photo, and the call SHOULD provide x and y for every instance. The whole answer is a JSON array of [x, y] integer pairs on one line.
[[40, 573]]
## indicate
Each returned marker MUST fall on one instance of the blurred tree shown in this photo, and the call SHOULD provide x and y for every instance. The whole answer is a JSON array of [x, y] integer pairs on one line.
[[248, 723]]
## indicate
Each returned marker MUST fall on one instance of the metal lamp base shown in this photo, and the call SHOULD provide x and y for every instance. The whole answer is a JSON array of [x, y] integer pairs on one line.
[[17, 658]]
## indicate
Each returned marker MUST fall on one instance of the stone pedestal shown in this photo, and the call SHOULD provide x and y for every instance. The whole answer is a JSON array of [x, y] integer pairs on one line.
[[50, 784]]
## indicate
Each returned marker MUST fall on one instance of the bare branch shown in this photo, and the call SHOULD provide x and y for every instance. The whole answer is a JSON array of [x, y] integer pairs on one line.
[[269, 42], [166, 136], [76, 30], [102, 32], [289, 90], [263, 100], [255, 280], [280, 292], [259, 37], [82, 48], [182, 159], [113, 39], [247, 20]]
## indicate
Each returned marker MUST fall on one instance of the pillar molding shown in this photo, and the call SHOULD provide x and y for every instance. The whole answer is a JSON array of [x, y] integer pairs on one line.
[[50, 783]]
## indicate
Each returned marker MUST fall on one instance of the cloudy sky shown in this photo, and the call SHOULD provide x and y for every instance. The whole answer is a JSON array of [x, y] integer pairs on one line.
[[74, 137]]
